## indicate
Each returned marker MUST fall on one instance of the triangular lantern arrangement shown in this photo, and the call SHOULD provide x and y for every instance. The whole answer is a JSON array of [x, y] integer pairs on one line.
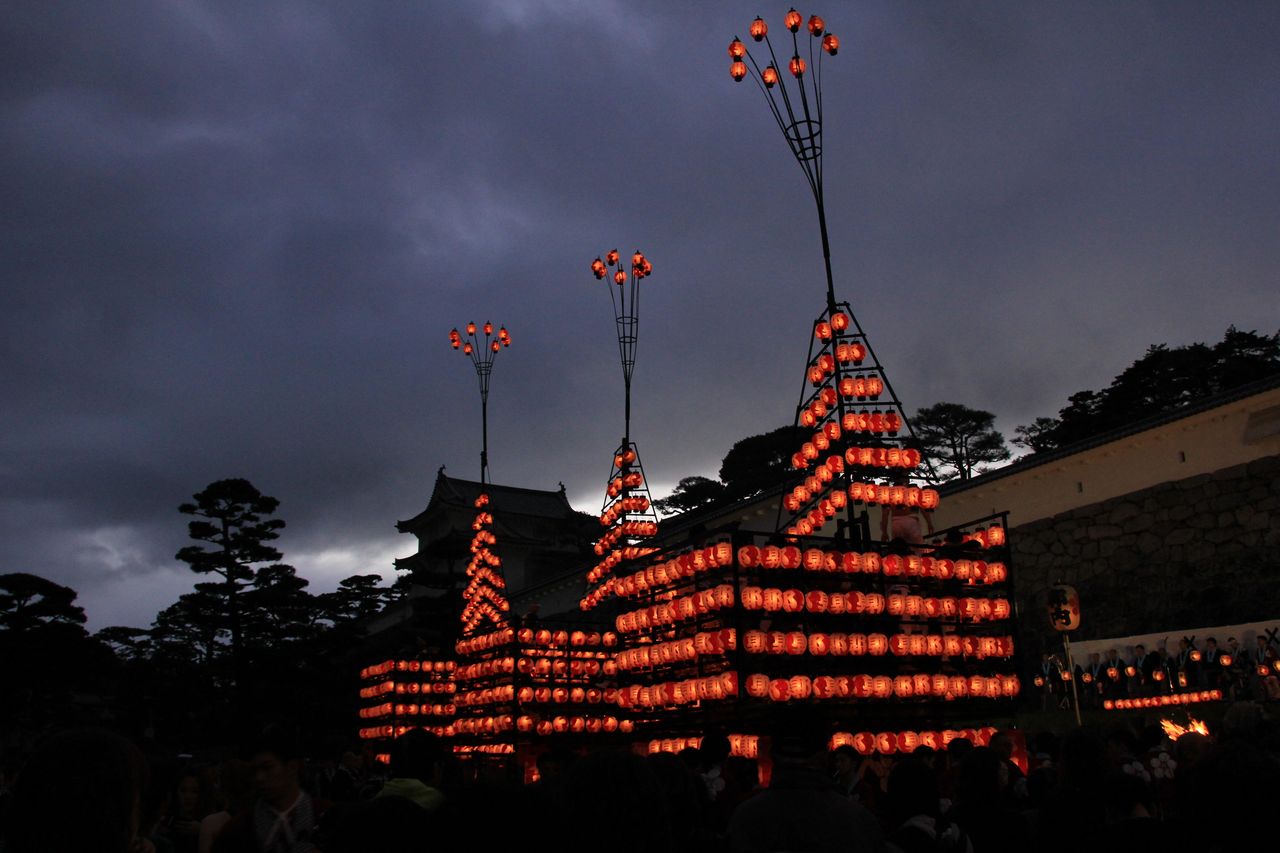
[[629, 521], [485, 697], [858, 434], [484, 599]]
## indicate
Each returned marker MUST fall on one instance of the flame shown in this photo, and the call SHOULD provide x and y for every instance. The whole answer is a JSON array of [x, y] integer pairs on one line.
[[1193, 726]]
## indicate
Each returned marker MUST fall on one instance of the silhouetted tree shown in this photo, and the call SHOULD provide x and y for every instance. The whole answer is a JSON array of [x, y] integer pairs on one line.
[[356, 598], [230, 521], [1165, 379], [760, 462], [959, 437], [30, 601], [691, 493], [1037, 436]]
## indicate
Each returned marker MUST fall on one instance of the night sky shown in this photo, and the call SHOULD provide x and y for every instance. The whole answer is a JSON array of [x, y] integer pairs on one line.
[[235, 236]]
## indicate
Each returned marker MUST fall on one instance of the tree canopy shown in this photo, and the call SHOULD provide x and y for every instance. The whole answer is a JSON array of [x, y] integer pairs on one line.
[[691, 493], [958, 438], [1162, 380]]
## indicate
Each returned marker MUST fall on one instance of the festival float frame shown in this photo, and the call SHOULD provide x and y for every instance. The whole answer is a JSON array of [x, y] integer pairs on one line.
[[891, 643]]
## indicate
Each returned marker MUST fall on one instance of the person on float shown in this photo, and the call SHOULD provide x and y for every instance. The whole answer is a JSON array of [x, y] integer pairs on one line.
[[907, 523]]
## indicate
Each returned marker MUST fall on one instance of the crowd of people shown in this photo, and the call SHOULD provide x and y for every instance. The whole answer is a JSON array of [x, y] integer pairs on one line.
[[1240, 672], [92, 790]]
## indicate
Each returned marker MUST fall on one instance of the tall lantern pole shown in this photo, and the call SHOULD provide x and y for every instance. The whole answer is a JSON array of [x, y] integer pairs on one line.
[[846, 396], [482, 355], [798, 113], [627, 514]]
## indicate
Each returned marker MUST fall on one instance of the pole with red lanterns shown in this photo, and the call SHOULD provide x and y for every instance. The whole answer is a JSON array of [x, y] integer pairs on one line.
[[845, 388], [627, 514], [482, 355]]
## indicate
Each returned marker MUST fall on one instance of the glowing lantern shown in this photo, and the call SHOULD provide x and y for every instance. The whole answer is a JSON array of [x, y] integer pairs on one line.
[[792, 600], [759, 29], [737, 71], [779, 690], [771, 555], [799, 687], [792, 20], [831, 44], [796, 643], [737, 50]]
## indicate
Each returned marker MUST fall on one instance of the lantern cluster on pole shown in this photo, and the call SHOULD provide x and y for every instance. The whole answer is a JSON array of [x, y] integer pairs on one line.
[[482, 353], [627, 516]]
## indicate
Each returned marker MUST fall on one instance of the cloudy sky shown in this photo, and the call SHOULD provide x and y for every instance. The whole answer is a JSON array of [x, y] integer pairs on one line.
[[235, 236]]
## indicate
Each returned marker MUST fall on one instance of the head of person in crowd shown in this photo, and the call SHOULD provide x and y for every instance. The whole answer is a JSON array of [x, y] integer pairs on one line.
[[1211, 644], [192, 795], [844, 761], [715, 748], [1001, 744], [1233, 645], [276, 762], [418, 754], [983, 777], [957, 749], [1139, 652], [912, 792], [79, 791]]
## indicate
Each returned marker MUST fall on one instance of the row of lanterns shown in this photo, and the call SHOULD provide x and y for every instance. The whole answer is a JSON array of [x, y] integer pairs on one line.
[[871, 562], [821, 644], [440, 666], [1161, 701], [684, 692], [742, 746], [402, 688], [918, 686], [575, 724], [436, 710], [773, 599], [381, 732], [677, 610], [637, 503], [562, 695], [629, 529], [483, 642], [890, 743], [702, 644], [539, 667], [825, 364], [560, 639]]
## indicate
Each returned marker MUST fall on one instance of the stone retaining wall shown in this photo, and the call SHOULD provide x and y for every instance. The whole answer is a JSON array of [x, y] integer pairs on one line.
[[1199, 551]]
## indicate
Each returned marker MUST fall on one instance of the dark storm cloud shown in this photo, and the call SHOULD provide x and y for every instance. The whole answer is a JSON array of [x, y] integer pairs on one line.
[[234, 236]]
